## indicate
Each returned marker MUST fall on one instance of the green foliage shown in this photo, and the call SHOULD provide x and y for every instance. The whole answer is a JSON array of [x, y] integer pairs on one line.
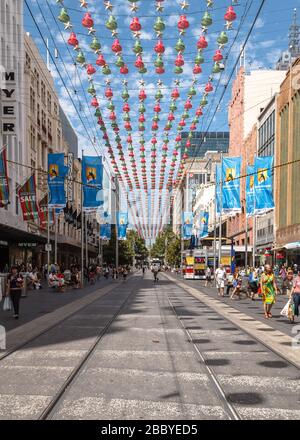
[[127, 249], [167, 246]]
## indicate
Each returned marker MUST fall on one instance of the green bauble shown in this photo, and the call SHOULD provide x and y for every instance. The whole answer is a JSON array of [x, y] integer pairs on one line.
[[80, 58], [98, 113], [159, 25], [178, 70], [156, 118], [137, 48], [125, 94], [158, 94], [222, 39], [142, 108], [111, 23], [216, 68], [126, 117], [180, 46], [159, 61], [119, 61], [173, 107], [91, 90], [63, 16], [143, 70], [110, 106], [206, 19], [95, 45], [106, 70], [199, 58], [185, 115], [204, 101], [192, 91]]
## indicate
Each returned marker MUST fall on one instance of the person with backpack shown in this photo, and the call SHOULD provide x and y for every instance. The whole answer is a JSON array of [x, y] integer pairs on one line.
[[15, 283]]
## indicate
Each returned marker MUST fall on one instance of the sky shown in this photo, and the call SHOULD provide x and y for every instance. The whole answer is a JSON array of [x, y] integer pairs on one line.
[[268, 38]]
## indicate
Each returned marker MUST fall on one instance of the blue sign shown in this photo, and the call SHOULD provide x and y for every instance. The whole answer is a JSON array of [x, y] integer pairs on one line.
[[187, 225], [263, 185], [231, 171], [218, 189], [105, 231], [204, 217], [57, 172], [122, 223], [250, 191], [92, 180]]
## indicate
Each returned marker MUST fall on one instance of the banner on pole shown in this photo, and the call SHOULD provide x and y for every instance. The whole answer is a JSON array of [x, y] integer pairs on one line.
[[218, 189], [57, 172], [28, 200], [122, 223], [92, 180], [231, 185], [187, 225], [203, 231], [43, 213], [4, 188], [263, 185], [250, 191], [105, 231]]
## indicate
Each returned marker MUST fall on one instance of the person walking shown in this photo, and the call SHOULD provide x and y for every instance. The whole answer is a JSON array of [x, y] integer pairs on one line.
[[229, 285], [208, 276], [296, 294], [14, 289], [253, 282], [269, 290], [237, 284], [220, 279]]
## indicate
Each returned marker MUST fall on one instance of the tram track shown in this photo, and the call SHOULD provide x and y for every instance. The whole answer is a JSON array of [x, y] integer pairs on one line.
[[216, 386]]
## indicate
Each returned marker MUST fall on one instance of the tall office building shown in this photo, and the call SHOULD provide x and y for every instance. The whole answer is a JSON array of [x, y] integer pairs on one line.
[[203, 142], [290, 55]]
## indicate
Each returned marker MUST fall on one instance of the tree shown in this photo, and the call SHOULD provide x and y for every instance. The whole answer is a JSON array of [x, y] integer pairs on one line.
[[127, 248], [167, 246]]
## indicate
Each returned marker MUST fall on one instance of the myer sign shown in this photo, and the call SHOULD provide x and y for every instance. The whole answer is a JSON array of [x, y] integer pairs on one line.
[[8, 102]]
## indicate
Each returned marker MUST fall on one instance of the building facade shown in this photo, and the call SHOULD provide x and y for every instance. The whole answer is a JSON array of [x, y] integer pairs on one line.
[[287, 196], [250, 94], [202, 142]]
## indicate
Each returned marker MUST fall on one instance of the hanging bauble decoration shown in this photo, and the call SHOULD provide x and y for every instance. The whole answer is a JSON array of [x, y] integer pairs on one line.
[[63, 16], [171, 117], [199, 59], [90, 70], [134, 6], [119, 61], [209, 87], [192, 91], [111, 23], [159, 26], [106, 70], [179, 62], [202, 43], [222, 38], [126, 108], [218, 56], [142, 118], [139, 62], [175, 94], [91, 90], [188, 105], [173, 107], [160, 70], [180, 46], [199, 111], [135, 25], [206, 20], [95, 45], [80, 59], [87, 21], [109, 93], [100, 60], [203, 101], [72, 41], [159, 47], [125, 94], [158, 95], [143, 70], [124, 70], [159, 61], [157, 108], [116, 46], [142, 95], [183, 24], [94, 102], [216, 68], [137, 48], [230, 14]]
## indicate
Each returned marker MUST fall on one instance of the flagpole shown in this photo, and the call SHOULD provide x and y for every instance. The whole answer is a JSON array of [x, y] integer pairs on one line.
[[82, 227], [221, 209], [117, 241], [48, 236], [86, 241], [215, 227], [55, 242]]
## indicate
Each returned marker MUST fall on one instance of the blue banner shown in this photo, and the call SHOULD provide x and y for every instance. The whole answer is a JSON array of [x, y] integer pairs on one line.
[[122, 223], [105, 231], [250, 191], [204, 217], [92, 180], [218, 189], [263, 185], [57, 172], [187, 222], [231, 171]]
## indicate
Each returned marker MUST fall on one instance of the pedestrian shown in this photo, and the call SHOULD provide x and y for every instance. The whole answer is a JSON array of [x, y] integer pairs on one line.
[[269, 290], [208, 276], [253, 282], [220, 279], [14, 289], [296, 294], [229, 286], [124, 274], [237, 284]]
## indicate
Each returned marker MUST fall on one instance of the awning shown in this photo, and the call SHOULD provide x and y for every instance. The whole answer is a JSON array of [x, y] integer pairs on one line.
[[295, 245]]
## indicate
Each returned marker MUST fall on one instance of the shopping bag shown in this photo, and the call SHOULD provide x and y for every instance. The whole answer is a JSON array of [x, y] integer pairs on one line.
[[7, 304], [286, 309]]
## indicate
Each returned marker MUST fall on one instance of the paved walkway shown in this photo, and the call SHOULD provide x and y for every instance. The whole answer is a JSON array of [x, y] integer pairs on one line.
[[158, 352], [252, 308], [44, 301]]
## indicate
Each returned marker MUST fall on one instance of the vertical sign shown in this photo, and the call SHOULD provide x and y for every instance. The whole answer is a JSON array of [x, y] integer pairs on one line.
[[8, 102], [70, 182]]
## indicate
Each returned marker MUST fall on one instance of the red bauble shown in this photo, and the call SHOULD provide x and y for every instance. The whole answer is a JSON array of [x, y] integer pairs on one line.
[[116, 46], [159, 47], [142, 95], [94, 102], [100, 60], [142, 118], [188, 143], [109, 93], [157, 108], [199, 112], [230, 14], [90, 70], [218, 55], [126, 107], [72, 41], [197, 69], [153, 141], [188, 105], [193, 127], [182, 123], [179, 62], [135, 25], [202, 43], [178, 138], [155, 126], [124, 70], [175, 94], [160, 70], [183, 23], [87, 21], [208, 88], [139, 63], [171, 117]]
